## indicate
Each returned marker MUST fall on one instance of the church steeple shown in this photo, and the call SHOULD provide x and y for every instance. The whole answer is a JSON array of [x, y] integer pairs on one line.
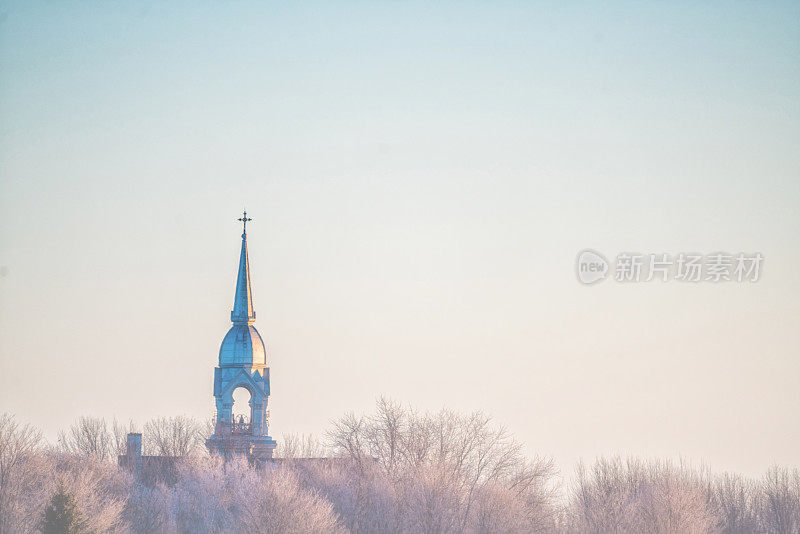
[[242, 364], [243, 299]]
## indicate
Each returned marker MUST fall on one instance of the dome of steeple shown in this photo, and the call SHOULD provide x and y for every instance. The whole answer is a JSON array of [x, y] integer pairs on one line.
[[242, 345]]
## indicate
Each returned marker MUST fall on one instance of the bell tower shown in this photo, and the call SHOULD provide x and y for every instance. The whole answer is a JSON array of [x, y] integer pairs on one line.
[[242, 364]]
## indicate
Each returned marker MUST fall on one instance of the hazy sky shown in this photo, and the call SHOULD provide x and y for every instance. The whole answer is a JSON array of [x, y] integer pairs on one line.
[[421, 177]]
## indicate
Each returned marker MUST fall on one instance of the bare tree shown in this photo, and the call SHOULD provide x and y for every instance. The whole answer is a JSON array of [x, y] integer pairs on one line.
[[779, 505], [202, 499], [736, 501], [21, 474], [440, 464], [293, 446], [100, 488], [274, 501], [217, 496], [173, 436], [636, 496], [89, 436], [148, 509]]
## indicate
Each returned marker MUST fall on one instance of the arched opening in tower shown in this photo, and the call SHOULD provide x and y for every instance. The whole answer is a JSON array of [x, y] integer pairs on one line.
[[241, 406]]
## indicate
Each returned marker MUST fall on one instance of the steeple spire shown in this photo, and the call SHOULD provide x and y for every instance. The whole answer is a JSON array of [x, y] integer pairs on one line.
[[243, 300]]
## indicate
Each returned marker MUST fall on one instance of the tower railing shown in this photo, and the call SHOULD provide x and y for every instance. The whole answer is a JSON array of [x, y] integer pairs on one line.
[[233, 427], [240, 428]]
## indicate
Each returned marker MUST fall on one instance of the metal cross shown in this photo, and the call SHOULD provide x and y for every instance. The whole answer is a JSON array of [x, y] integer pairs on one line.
[[243, 219]]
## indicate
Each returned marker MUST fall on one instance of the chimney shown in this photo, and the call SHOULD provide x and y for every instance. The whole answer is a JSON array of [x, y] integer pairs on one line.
[[134, 453]]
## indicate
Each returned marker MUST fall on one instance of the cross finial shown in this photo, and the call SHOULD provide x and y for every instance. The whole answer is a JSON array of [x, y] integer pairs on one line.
[[244, 220]]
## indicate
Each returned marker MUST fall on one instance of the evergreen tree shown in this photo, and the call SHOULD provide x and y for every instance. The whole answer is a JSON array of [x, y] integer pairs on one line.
[[62, 515]]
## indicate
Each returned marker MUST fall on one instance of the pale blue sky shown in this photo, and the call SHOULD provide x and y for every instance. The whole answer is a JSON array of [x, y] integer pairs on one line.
[[420, 177]]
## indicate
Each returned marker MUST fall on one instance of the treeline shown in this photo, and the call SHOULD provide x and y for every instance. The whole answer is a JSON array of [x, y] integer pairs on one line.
[[396, 470]]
